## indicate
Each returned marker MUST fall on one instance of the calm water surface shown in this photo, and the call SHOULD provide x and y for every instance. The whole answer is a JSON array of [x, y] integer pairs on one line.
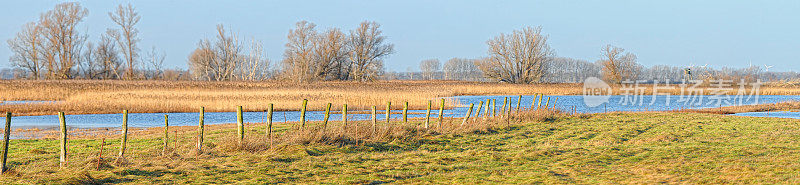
[[565, 103]]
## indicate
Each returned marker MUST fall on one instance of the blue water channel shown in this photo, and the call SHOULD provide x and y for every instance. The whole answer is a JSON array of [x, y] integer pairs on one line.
[[564, 103]]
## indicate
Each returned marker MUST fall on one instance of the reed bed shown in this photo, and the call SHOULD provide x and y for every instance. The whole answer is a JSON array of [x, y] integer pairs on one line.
[[782, 106], [94, 97]]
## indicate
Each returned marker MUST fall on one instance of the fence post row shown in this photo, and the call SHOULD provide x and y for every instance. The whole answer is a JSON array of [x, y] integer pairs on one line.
[[491, 110]]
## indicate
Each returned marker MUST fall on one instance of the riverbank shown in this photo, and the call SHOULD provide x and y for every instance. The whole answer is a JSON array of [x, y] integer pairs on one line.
[[106, 97], [629, 148]]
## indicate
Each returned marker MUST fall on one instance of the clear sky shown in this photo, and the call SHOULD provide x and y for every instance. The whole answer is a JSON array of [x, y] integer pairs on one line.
[[718, 33]]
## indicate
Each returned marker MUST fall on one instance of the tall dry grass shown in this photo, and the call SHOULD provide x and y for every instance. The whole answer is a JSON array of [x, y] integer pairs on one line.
[[782, 106], [89, 97]]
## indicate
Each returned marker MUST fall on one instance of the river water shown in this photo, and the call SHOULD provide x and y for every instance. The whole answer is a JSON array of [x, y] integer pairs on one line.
[[564, 103]]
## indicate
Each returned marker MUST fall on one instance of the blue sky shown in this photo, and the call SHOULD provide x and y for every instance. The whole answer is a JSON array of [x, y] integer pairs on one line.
[[718, 33]]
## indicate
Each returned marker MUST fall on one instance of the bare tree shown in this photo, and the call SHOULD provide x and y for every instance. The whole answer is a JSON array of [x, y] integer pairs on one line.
[[618, 65], [518, 57], [298, 58], [200, 61], [461, 69], [126, 18], [107, 57], [430, 67], [368, 48], [26, 47], [218, 60], [155, 64], [255, 65], [88, 68], [63, 42], [331, 55], [570, 70]]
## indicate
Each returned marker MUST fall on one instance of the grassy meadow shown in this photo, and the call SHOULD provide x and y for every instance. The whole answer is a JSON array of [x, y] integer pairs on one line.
[[91, 97], [530, 147], [699, 146]]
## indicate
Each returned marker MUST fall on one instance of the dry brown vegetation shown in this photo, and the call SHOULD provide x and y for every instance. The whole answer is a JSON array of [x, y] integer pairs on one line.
[[782, 106], [87, 97]]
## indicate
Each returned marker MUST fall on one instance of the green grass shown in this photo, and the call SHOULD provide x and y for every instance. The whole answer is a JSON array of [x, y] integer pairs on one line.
[[629, 148]]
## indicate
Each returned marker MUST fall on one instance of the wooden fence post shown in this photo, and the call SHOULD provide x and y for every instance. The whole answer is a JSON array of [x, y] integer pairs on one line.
[[166, 134], [6, 133], [303, 114], [478, 113], [494, 107], [405, 113], [100, 155], [519, 102], [388, 111], [488, 104], [540, 101], [428, 115], [124, 143], [374, 120], [200, 131], [505, 101], [469, 112], [269, 123], [441, 113], [546, 105], [554, 103], [327, 115], [533, 103], [344, 115], [508, 115], [240, 124], [62, 160]]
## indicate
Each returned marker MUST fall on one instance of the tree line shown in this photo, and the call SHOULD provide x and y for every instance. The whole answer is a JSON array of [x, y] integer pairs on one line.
[[524, 56], [53, 47]]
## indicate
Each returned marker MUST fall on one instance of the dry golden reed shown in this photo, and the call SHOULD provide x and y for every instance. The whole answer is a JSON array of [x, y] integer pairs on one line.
[[90, 97]]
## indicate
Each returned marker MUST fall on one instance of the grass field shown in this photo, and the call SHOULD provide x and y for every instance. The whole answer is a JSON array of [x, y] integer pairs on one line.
[[88, 97], [629, 148]]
